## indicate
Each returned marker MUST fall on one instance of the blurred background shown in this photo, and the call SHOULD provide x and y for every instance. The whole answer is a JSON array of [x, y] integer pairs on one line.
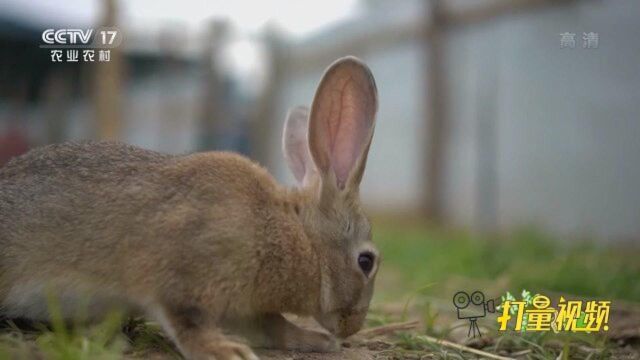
[[507, 145], [488, 118]]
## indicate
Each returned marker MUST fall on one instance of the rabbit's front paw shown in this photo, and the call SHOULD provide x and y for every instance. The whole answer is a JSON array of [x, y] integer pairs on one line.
[[230, 350], [325, 342], [313, 341]]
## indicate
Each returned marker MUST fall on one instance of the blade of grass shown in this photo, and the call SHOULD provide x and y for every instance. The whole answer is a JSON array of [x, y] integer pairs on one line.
[[463, 348]]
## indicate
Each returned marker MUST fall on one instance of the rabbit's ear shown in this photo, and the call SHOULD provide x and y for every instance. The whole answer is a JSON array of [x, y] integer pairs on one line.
[[342, 121], [295, 145]]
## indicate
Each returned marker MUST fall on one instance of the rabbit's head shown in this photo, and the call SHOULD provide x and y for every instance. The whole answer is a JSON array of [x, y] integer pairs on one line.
[[326, 148]]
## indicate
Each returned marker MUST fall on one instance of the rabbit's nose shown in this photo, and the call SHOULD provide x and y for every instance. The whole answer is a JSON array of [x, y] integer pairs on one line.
[[350, 324]]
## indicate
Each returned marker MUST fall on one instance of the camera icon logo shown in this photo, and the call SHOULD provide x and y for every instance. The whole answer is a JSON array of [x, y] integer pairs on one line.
[[472, 307]]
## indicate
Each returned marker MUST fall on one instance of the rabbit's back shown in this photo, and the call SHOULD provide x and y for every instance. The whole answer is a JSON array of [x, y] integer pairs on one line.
[[62, 185], [67, 159], [95, 190], [112, 211]]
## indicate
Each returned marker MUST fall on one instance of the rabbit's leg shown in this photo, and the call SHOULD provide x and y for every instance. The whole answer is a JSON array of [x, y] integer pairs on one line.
[[274, 331], [198, 337]]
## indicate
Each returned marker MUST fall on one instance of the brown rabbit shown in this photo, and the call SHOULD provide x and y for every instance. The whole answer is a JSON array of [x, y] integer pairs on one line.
[[203, 243]]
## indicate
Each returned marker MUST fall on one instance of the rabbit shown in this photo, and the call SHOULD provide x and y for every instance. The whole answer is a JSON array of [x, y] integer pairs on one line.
[[207, 244]]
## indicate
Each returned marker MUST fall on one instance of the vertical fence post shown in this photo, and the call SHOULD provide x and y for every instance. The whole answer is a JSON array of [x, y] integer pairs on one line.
[[265, 116], [57, 101], [108, 84], [213, 109], [436, 114], [171, 117]]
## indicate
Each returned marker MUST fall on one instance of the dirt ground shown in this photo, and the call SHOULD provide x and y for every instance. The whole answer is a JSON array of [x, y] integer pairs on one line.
[[389, 341], [382, 343]]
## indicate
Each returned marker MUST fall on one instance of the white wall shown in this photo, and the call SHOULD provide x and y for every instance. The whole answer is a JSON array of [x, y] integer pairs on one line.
[[567, 121]]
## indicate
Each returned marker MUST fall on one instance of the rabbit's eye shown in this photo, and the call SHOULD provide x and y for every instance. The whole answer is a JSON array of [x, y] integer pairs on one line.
[[365, 261]]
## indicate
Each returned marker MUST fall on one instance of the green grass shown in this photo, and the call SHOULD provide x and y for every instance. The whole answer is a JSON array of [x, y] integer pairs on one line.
[[103, 341], [423, 267], [109, 339], [525, 259], [77, 339]]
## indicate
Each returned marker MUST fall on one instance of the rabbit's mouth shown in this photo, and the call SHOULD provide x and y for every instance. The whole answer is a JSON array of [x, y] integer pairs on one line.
[[343, 323]]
